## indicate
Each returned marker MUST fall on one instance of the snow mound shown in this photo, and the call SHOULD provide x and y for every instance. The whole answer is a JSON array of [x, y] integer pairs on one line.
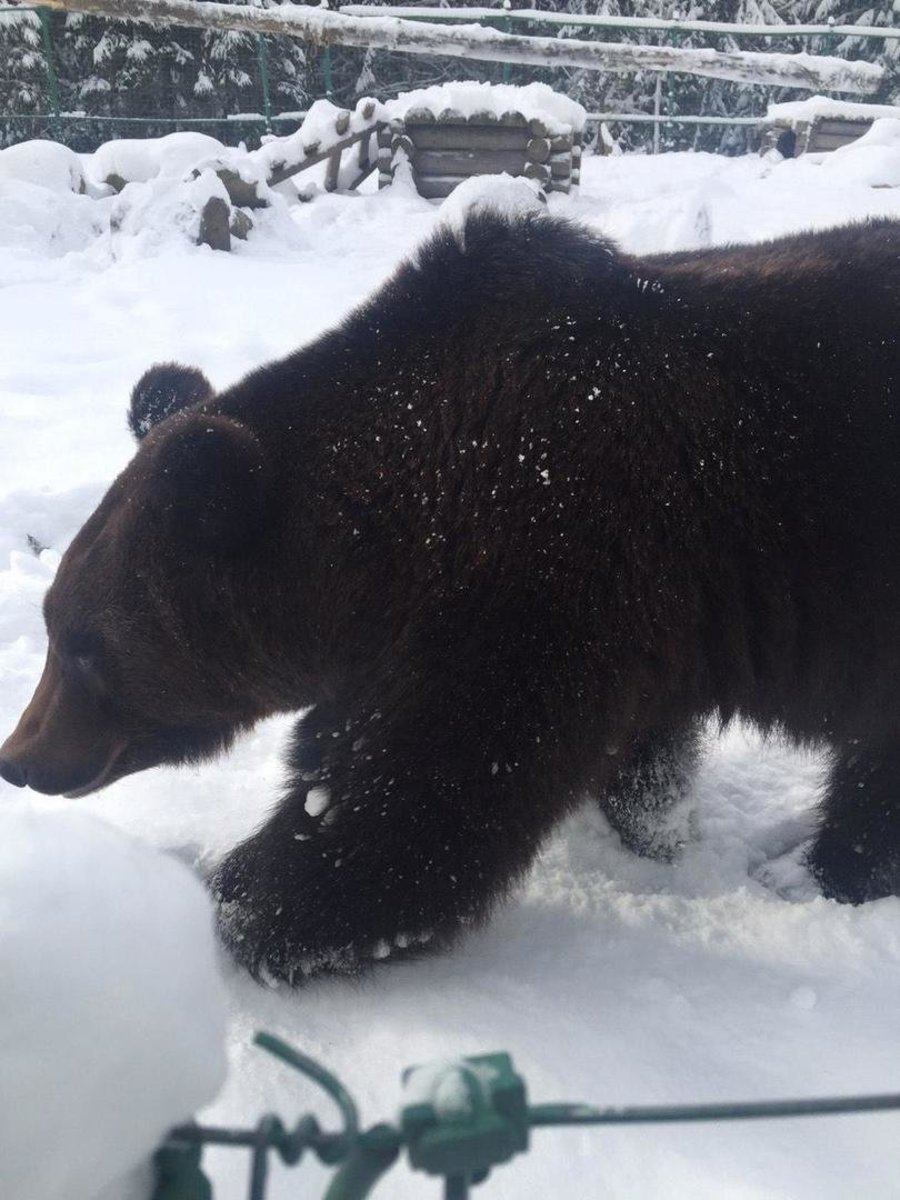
[[47, 164], [872, 160], [504, 195], [535, 101], [45, 221], [137, 160], [112, 1011]]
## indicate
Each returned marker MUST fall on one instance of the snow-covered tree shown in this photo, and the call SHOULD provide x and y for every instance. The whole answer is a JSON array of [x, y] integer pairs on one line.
[[123, 70]]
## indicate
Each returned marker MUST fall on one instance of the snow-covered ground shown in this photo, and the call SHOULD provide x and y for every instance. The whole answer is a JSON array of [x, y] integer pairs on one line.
[[611, 979]]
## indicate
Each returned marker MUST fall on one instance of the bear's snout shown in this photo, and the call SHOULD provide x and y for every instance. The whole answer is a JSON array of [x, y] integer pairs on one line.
[[60, 745], [12, 773], [58, 770]]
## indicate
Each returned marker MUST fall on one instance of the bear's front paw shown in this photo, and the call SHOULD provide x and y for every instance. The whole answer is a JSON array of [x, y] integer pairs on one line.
[[259, 940], [300, 924], [267, 929]]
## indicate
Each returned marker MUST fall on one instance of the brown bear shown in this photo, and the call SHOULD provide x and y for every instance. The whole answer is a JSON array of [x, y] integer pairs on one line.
[[509, 532]]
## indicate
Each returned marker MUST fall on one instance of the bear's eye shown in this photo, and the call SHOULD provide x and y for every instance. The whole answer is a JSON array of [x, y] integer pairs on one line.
[[82, 655]]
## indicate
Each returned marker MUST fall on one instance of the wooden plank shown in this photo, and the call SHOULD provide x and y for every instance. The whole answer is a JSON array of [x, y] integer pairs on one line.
[[364, 173], [851, 128], [468, 137], [333, 171], [286, 170], [437, 187], [468, 162], [822, 142], [364, 156]]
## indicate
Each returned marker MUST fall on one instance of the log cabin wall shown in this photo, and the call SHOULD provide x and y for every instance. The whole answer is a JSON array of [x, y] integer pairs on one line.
[[446, 148]]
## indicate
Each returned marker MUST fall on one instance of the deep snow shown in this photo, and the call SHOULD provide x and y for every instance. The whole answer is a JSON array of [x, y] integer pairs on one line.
[[112, 1010], [610, 979]]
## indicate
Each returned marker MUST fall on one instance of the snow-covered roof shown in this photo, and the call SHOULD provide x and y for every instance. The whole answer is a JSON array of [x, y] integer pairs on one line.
[[824, 107], [469, 99]]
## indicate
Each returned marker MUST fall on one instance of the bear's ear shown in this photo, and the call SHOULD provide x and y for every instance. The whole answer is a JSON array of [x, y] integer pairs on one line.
[[211, 483], [163, 390]]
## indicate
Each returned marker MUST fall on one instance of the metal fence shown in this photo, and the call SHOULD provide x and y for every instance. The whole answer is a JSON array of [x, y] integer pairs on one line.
[[459, 1121], [58, 122]]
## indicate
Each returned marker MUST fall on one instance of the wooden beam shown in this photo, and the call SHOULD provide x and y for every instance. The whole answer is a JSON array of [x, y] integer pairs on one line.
[[473, 137], [324, 28], [536, 16], [282, 171]]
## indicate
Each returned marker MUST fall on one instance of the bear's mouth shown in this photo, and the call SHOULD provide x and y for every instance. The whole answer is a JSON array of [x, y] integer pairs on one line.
[[104, 776]]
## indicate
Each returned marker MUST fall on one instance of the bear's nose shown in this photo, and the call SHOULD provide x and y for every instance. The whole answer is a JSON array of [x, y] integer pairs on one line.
[[13, 774]]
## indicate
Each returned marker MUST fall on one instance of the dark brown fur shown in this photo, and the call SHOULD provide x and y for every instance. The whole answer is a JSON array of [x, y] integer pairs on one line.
[[514, 529]]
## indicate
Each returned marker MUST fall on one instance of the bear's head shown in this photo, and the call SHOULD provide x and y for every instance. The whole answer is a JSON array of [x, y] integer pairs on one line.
[[149, 661]]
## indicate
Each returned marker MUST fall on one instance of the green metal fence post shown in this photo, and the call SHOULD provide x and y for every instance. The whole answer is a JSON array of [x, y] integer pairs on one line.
[[327, 63], [262, 55], [53, 81], [506, 26]]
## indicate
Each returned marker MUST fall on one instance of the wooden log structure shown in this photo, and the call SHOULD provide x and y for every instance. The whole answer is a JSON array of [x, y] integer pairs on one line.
[[446, 148], [314, 153], [816, 135]]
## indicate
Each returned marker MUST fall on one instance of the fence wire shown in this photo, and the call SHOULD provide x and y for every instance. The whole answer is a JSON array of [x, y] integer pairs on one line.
[[486, 1121]]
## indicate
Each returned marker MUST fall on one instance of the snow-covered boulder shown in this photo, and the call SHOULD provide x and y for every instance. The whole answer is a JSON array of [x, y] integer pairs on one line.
[[45, 164], [112, 1014]]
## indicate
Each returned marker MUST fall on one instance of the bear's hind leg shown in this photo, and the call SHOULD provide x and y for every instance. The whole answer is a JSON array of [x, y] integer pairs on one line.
[[648, 784], [856, 856]]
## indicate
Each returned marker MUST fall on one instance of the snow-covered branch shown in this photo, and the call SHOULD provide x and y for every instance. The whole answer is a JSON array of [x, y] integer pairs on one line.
[[321, 27]]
